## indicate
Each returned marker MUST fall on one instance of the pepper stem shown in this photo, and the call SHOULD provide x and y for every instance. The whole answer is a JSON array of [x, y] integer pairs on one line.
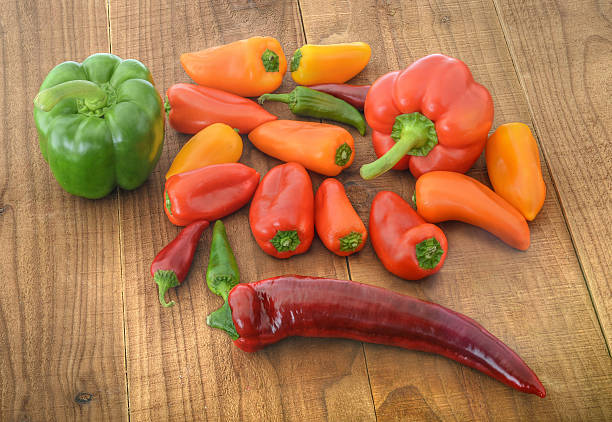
[[343, 154], [414, 134], [93, 96], [350, 242], [165, 279], [295, 60], [283, 98], [167, 106], [270, 61], [285, 241], [428, 253]]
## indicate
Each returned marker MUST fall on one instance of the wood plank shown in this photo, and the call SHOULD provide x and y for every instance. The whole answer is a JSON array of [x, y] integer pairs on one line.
[[61, 312], [178, 368], [562, 53], [536, 301]]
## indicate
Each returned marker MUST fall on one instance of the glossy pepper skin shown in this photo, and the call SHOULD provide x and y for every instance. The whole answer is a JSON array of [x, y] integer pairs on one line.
[[248, 68], [433, 111], [445, 195], [208, 193], [304, 101], [172, 263], [336, 221], [355, 95], [215, 144], [513, 163], [85, 114], [322, 148], [407, 245], [282, 211], [268, 311], [191, 108], [324, 64]]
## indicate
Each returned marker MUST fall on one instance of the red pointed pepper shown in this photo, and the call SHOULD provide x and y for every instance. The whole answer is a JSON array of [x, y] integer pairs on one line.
[[282, 211], [171, 265], [355, 95], [407, 245], [433, 111], [338, 224], [191, 108], [208, 193]]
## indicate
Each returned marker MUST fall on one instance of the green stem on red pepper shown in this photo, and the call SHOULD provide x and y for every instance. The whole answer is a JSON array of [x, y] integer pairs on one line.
[[414, 134]]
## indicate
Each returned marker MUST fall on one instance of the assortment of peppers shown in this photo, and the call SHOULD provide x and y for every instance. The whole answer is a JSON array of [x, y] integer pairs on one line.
[[431, 118]]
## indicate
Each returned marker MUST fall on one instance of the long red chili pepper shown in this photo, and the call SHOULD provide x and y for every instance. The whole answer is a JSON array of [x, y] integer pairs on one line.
[[355, 95], [269, 310], [171, 265]]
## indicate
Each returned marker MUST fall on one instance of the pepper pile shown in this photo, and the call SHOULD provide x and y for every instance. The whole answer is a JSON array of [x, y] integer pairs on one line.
[[431, 118]]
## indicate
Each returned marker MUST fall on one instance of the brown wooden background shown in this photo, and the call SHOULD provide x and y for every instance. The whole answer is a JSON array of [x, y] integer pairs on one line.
[[82, 336]]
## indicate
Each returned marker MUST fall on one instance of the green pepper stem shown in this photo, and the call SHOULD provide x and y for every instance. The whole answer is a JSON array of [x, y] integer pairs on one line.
[[167, 107], [428, 253], [270, 61], [93, 96], [285, 241], [283, 98], [165, 279], [414, 134], [295, 60], [343, 154], [350, 242]]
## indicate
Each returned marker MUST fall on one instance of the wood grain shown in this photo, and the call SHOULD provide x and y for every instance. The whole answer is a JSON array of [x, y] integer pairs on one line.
[[536, 301], [61, 324], [179, 368], [563, 54]]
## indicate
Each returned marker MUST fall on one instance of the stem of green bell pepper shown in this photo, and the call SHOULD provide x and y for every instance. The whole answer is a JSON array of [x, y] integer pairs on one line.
[[414, 134], [93, 96], [222, 275]]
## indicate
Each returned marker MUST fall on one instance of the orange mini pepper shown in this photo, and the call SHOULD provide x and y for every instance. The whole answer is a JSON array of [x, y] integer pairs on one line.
[[249, 68], [329, 64], [322, 148], [446, 195], [338, 224], [513, 163], [215, 144]]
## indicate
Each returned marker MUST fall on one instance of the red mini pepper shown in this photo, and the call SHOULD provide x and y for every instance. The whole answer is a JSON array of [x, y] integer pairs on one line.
[[191, 108], [208, 193], [171, 265], [407, 245], [433, 111], [338, 224], [355, 95], [282, 211]]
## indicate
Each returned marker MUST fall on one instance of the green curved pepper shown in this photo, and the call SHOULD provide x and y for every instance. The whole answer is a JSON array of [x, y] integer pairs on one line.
[[100, 124]]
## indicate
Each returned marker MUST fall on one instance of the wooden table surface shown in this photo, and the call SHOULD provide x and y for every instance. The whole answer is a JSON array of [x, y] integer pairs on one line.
[[82, 335]]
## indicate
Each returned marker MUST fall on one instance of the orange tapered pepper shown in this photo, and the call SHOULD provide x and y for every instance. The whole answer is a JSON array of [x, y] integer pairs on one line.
[[215, 144], [446, 195], [329, 64], [338, 224], [322, 148], [249, 68], [513, 163]]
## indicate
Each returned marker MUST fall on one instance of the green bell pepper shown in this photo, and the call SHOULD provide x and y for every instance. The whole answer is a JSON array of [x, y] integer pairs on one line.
[[100, 124]]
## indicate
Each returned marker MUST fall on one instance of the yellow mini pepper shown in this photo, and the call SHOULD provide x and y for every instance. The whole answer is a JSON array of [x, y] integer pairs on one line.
[[329, 64], [513, 163], [215, 144]]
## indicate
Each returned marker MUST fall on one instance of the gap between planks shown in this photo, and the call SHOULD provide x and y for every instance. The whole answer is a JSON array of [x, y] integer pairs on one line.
[[550, 171]]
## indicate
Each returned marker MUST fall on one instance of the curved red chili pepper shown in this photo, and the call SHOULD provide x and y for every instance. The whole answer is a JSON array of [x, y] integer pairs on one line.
[[171, 265], [269, 310]]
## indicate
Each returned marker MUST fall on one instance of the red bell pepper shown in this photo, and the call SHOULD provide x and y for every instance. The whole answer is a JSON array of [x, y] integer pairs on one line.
[[432, 115], [338, 224], [208, 193], [407, 245], [355, 95], [282, 211], [191, 108], [171, 265]]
